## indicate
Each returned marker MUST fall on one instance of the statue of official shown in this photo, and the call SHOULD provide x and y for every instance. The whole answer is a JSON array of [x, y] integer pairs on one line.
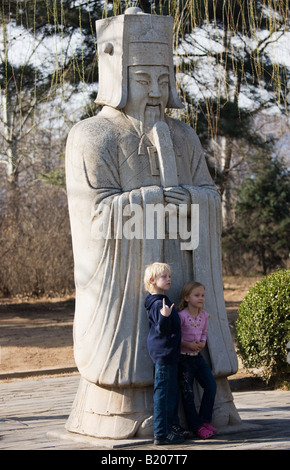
[[129, 158]]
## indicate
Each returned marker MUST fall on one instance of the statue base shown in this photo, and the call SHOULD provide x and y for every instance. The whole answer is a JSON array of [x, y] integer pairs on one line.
[[118, 414], [109, 413]]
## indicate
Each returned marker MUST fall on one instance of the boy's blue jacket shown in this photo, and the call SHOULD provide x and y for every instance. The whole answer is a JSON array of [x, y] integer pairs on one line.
[[164, 336]]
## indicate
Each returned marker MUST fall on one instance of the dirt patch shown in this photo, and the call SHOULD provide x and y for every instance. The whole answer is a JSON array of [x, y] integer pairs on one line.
[[36, 334]]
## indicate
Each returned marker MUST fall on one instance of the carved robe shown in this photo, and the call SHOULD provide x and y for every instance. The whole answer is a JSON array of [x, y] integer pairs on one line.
[[110, 166]]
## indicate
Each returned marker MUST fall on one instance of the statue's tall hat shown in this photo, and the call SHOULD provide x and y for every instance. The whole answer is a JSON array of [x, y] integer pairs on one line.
[[134, 38]]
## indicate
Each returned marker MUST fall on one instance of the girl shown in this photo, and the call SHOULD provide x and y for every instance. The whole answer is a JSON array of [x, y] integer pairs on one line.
[[191, 364]]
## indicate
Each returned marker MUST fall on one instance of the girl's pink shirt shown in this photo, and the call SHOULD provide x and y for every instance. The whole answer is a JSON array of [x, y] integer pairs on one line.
[[193, 329]]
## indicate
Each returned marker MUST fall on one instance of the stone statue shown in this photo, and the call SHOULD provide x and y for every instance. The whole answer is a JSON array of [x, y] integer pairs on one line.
[[128, 159]]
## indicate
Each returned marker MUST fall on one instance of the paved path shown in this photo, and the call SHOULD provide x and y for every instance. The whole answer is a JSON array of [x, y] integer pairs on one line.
[[32, 410]]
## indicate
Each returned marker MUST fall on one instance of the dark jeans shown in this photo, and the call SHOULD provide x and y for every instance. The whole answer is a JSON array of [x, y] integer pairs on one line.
[[165, 398], [190, 368]]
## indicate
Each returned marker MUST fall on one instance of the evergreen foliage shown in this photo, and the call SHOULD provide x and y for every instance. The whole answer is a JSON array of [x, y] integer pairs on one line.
[[263, 325]]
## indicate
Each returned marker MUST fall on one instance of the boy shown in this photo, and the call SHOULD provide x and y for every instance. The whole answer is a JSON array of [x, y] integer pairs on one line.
[[164, 348]]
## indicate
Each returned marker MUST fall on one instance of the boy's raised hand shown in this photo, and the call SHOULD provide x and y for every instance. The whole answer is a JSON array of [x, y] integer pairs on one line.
[[166, 311]]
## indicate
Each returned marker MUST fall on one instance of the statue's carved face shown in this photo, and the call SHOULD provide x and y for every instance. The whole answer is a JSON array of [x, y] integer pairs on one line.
[[148, 90]]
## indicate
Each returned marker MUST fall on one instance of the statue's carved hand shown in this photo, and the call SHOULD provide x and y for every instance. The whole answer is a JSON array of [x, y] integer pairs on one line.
[[177, 195]]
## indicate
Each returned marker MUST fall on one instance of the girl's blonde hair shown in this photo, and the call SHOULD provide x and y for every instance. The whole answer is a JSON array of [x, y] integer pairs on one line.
[[153, 271], [186, 291]]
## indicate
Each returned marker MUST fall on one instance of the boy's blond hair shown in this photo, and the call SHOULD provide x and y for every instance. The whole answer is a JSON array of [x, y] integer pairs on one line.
[[153, 271]]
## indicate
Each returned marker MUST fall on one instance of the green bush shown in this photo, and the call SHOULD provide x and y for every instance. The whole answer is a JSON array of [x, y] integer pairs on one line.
[[262, 328]]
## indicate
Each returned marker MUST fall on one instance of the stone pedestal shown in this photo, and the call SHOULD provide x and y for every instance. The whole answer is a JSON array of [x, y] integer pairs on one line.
[[123, 414], [111, 413]]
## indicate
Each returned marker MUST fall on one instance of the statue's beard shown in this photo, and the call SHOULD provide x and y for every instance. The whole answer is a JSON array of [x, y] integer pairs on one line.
[[152, 114], [145, 119]]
